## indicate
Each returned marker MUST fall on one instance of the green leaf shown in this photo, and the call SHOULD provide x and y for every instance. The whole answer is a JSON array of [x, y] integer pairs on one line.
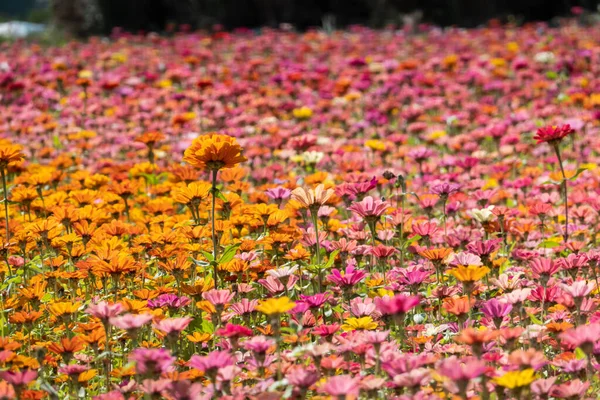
[[56, 142], [411, 240], [207, 326], [221, 196], [229, 253], [208, 255], [579, 171], [331, 260], [534, 319], [549, 244], [579, 353]]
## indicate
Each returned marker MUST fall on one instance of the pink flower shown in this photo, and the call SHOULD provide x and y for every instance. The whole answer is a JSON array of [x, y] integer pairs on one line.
[[211, 363], [348, 278], [152, 362], [341, 385], [579, 289], [543, 268], [461, 370], [218, 297], [570, 389], [553, 134], [103, 310], [131, 321], [172, 326], [583, 336], [397, 305], [234, 331], [302, 377], [19, 378], [369, 208]]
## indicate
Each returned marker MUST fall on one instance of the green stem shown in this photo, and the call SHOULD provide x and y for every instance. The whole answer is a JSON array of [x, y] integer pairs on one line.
[[564, 188], [214, 232], [3, 173]]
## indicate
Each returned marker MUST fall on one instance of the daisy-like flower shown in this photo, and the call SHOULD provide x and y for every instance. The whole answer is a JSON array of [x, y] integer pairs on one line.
[[275, 306], [214, 152], [10, 154], [364, 323], [553, 134], [369, 208], [469, 273], [312, 199]]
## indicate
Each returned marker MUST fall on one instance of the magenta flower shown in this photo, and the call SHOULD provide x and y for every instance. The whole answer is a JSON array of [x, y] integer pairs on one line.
[[397, 305], [348, 278], [496, 310], [553, 134], [152, 362], [169, 300], [234, 331]]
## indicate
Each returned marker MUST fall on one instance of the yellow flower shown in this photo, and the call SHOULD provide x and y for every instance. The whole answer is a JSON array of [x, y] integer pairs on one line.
[[302, 113], [199, 337], [275, 306], [87, 375], [516, 379], [512, 46], [364, 323], [469, 273], [376, 145]]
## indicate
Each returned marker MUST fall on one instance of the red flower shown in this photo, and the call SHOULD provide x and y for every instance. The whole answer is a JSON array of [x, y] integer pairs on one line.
[[553, 134]]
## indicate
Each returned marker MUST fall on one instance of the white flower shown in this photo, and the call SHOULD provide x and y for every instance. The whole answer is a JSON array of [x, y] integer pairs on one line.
[[282, 272], [312, 157], [545, 57], [483, 215]]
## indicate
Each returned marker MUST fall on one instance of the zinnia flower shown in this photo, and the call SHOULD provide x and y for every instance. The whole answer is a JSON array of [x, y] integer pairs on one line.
[[214, 152], [553, 134], [275, 306]]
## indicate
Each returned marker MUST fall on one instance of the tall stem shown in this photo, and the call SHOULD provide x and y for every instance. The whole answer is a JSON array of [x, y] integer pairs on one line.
[[214, 232], [314, 215], [3, 173], [564, 189]]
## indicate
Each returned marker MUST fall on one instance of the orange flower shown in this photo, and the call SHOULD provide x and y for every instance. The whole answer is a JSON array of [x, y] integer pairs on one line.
[[458, 305], [10, 154], [150, 138], [192, 194], [472, 336], [64, 308], [66, 347], [436, 255], [214, 152]]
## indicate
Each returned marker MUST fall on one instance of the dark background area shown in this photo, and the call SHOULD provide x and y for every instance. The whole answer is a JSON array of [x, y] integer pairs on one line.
[[100, 16]]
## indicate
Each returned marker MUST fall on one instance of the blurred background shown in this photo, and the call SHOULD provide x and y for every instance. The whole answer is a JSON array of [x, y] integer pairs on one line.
[[83, 17]]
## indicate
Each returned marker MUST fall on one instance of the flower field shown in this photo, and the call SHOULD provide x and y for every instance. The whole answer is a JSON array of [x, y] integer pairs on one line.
[[355, 215]]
